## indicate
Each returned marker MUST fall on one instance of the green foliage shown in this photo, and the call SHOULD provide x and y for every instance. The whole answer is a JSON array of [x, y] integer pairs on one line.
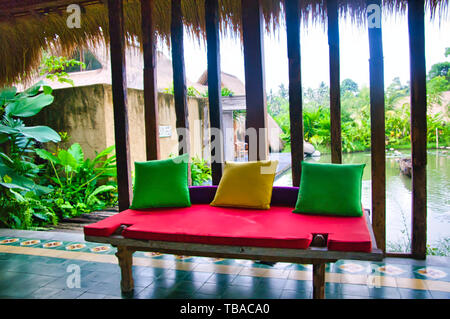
[[191, 91], [20, 206], [355, 115], [33, 194], [17, 140], [435, 87], [200, 171], [440, 69], [348, 85], [21, 209], [441, 248], [56, 67], [80, 185], [394, 92]]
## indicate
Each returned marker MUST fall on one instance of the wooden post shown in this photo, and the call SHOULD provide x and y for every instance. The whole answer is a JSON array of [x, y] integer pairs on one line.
[[416, 24], [150, 86], [292, 9], [377, 125], [214, 87], [119, 92], [125, 257], [256, 118], [319, 281], [179, 77], [335, 86]]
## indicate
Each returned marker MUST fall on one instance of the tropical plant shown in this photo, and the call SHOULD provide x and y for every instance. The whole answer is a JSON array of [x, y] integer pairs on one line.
[[200, 171], [55, 68], [22, 209], [17, 140], [80, 185]]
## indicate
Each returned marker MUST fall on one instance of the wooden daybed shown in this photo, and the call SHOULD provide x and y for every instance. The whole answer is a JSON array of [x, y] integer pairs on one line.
[[276, 234]]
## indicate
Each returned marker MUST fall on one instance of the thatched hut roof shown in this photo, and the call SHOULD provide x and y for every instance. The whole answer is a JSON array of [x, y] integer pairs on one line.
[[28, 26], [229, 81]]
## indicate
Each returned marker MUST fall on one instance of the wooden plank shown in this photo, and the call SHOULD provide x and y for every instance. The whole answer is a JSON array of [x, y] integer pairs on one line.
[[214, 87], [416, 24], [319, 281], [335, 86], [295, 87], [377, 125], [119, 92], [310, 255], [179, 77], [256, 118], [150, 85]]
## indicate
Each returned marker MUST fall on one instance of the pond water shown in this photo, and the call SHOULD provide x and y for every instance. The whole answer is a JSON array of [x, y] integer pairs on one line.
[[398, 195]]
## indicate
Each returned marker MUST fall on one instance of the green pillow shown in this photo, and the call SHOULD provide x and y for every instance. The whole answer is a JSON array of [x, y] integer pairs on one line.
[[332, 189], [161, 183]]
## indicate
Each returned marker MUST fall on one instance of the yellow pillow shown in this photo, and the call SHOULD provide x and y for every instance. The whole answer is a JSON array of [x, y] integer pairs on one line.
[[246, 184]]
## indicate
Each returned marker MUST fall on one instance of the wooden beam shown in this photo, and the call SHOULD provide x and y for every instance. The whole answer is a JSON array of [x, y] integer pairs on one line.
[[416, 24], [256, 118], [150, 84], [377, 125], [335, 86], [119, 92], [214, 87], [292, 9], [179, 77]]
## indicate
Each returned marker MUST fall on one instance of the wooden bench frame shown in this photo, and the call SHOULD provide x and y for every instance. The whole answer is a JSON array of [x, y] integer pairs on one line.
[[317, 256]]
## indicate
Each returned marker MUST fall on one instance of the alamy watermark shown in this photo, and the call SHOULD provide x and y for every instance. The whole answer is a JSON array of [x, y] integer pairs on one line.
[[374, 16], [74, 279], [74, 18]]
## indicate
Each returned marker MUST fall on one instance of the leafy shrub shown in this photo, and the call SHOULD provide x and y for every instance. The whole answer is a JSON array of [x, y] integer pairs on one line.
[[80, 185], [200, 171]]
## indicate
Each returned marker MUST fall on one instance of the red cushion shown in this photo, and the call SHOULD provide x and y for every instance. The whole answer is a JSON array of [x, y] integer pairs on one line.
[[277, 227]]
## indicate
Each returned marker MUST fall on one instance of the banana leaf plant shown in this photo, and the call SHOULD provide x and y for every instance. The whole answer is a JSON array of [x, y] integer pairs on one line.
[[17, 140]]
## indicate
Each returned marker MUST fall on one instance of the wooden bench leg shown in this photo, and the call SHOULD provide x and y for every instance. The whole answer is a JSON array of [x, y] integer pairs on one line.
[[125, 257], [319, 281]]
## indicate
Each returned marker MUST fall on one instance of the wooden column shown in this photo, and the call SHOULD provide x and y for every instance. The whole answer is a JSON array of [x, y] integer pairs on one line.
[[214, 86], [119, 91], [179, 76], [292, 8], [150, 86], [377, 127], [125, 258], [319, 281], [335, 86], [253, 28], [416, 23]]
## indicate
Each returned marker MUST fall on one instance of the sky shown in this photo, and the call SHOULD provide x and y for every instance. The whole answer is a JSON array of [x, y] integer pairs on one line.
[[354, 53]]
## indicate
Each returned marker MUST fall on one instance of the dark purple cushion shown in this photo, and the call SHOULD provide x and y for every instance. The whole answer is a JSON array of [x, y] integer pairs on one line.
[[281, 195]]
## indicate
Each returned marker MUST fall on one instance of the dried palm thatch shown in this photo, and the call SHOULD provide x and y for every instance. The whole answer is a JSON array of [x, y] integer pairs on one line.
[[23, 39]]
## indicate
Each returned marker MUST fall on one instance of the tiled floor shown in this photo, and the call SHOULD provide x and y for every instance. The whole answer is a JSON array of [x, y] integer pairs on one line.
[[64, 266]]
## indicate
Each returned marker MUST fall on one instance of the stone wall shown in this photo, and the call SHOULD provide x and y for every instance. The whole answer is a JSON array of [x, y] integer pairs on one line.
[[86, 114]]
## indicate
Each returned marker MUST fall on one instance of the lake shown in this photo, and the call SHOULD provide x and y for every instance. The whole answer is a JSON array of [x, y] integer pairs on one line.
[[398, 195]]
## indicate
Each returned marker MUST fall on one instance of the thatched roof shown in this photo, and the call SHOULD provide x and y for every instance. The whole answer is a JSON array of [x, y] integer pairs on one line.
[[28, 26], [229, 81]]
